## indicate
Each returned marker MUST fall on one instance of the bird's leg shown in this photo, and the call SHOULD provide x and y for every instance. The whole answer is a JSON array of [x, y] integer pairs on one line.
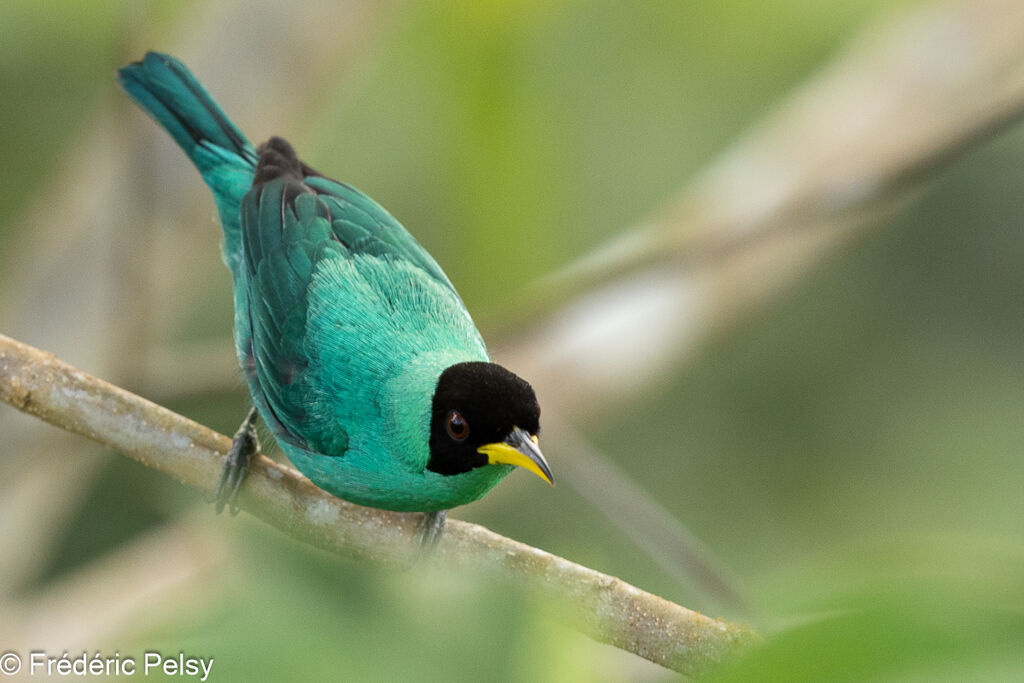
[[243, 446], [431, 531]]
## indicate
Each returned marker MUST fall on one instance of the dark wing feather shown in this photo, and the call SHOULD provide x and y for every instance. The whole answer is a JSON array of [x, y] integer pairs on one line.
[[364, 227]]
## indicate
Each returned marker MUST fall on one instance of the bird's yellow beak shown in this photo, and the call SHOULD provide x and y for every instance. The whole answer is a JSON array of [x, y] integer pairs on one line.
[[519, 449]]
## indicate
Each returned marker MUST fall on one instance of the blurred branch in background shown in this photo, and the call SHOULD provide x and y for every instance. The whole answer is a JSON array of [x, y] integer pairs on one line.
[[602, 606], [911, 94], [157, 572]]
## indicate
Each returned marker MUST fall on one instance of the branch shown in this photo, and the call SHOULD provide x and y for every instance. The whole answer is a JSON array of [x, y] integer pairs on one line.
[[604, 607]]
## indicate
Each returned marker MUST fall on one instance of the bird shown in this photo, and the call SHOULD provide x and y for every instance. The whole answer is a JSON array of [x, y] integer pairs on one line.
[[359, 355]]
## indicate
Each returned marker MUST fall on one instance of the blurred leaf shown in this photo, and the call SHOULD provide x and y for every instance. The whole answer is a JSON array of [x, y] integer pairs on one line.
[[939, 638]]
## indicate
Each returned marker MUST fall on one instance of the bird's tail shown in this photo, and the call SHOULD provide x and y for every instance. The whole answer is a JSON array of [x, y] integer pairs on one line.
[[169, 93]]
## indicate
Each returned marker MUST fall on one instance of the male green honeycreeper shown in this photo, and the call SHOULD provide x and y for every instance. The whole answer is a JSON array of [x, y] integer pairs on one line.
[[359, 354]]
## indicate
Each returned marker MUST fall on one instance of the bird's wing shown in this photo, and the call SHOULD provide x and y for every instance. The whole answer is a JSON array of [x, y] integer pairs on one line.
[[364, 227], [296, 223]]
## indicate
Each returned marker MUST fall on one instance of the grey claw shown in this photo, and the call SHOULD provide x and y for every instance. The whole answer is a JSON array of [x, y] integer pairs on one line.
[[431, 532], [243, 446]]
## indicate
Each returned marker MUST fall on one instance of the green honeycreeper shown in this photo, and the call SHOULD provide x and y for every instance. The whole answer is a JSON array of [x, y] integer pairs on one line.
[[359, 354]]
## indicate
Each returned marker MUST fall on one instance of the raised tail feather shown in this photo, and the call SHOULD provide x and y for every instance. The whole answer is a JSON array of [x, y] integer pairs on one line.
[[169, 92]]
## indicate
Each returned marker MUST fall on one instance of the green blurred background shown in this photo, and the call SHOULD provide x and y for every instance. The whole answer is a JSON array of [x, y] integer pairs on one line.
[[851, 453]]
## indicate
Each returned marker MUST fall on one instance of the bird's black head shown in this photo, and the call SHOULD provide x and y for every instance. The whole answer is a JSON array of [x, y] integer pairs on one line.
[[483, 414]]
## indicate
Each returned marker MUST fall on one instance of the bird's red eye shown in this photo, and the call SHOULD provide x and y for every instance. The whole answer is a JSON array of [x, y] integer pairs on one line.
[[457, 426]]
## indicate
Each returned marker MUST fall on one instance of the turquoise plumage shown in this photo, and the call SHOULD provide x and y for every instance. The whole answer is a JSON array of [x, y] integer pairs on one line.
[[359, 354]]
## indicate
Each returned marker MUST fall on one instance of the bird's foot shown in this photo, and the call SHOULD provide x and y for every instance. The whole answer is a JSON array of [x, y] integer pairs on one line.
[[431, 531], [243, 447]]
